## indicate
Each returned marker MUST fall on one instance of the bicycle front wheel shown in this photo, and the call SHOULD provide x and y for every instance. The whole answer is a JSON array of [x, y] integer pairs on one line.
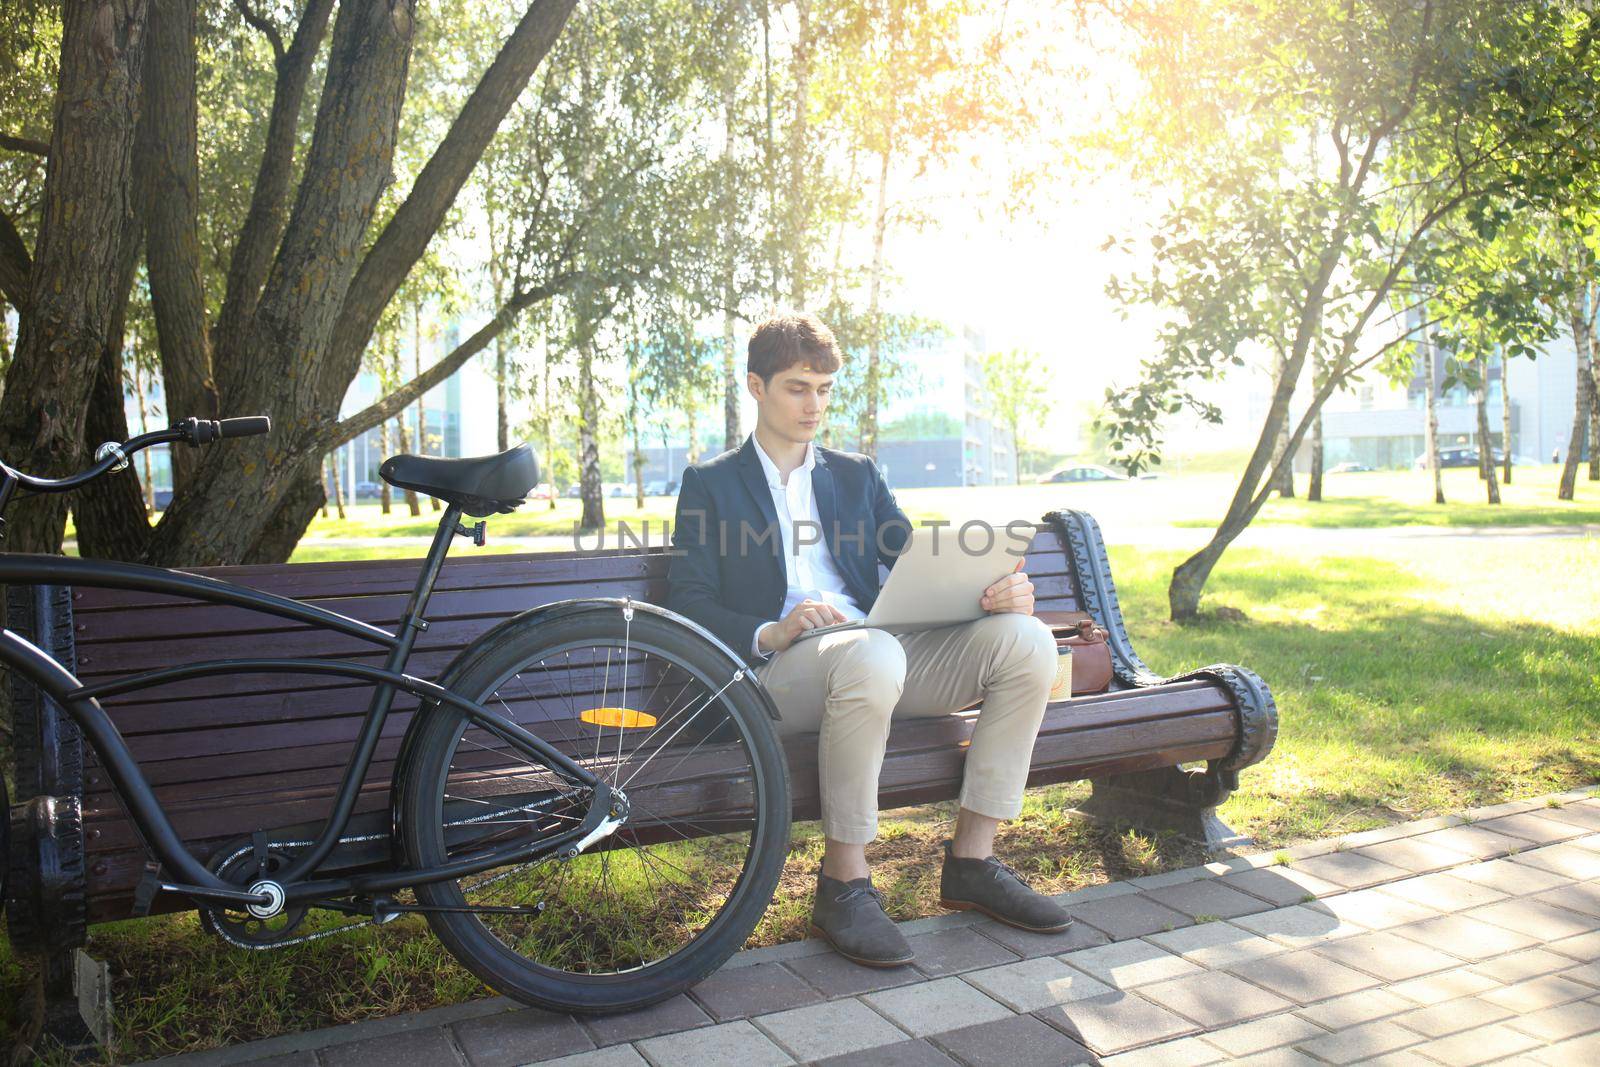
[[650, 707]]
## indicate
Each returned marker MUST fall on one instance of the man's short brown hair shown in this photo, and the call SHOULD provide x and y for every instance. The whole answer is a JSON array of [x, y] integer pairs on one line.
[[787, 338]]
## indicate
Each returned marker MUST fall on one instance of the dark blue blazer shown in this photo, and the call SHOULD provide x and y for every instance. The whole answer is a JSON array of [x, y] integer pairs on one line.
[[727, 571]]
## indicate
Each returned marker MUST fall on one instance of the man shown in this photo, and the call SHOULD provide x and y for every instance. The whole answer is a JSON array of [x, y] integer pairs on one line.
[[833, 518]]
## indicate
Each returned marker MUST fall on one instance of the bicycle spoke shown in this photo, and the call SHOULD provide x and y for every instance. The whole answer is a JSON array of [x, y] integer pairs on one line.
[[659, 882]]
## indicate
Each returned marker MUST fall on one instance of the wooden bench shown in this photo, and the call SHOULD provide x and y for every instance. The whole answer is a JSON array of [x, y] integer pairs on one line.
[[231, 755]]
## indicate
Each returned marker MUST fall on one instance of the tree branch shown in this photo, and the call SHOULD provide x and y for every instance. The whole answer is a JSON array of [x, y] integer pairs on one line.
[[407, 234], [263, 223], [16, 266], [262, 23], [167, 149], [24, 144], [403, 397]]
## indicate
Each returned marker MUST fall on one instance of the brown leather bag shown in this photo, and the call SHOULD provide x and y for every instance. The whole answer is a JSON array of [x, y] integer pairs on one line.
[[1091, 656]]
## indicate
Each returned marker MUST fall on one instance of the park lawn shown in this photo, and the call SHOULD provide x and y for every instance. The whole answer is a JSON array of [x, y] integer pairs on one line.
[[1405, 498], [1411, 681], [1376, 498], [1190, 500]]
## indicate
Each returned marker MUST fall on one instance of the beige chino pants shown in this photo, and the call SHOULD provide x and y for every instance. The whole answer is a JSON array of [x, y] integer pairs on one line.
[[847, 686]]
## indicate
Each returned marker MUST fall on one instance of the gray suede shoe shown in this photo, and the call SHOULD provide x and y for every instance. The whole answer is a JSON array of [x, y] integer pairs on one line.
[[998, 891], [850, 917]]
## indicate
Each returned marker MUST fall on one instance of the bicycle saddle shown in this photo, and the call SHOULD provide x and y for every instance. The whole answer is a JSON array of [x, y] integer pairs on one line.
[[480, 485]]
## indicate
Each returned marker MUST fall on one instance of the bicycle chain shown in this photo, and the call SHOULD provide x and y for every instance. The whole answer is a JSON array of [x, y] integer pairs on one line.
[[356, 839]]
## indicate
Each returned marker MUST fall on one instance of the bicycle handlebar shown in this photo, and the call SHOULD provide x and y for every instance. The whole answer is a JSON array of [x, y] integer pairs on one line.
[[190, 431]]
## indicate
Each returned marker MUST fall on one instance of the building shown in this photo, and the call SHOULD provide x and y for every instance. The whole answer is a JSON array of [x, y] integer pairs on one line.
[[459, 419], [1384, 426], [945, 439]]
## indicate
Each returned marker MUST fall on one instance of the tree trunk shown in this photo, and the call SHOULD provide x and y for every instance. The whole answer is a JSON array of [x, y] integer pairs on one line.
[[638, 466], [1319, 375], [591, 490], [769, 170], [305, 496], [731, 435], [333, 478], [869, 400], [172, 204], [1431, 421], [1016, 454], [1594, 397], [73, 283], [422, 418], [1580, 407], [835, 273], [1284, 483], [1594, 430], [385, 496], [1505, 414], [799, 208], [548, 399], [502, 431], [731, 390], [109, 511], [1190, 576], [1485, 444], [413, 504]]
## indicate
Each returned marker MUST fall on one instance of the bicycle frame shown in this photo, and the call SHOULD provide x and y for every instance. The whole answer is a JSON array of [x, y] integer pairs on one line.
[[151, 820]]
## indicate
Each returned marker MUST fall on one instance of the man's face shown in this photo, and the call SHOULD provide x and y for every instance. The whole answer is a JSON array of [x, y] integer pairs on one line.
[[792, 405]]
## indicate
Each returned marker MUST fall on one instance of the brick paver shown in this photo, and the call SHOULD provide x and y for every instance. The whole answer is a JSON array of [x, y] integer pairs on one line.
[[1033, 984], [735, 1044], [1020, 1041], [818, 1031], [1126, 964], [1447, 942], [935, 1006], [1115, 1022]]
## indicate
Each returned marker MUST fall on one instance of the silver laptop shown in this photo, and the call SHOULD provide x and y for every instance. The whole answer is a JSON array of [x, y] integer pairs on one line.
[[937, 580]]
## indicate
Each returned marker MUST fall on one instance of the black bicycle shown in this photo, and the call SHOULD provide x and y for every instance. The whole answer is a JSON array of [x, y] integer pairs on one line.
[[590, 806]]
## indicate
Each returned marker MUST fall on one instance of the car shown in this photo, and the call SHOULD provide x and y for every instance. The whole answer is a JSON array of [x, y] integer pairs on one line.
[[367, 489], [659, 487], [543, 491], [1082, 472], [574, 490], [1348, 467], [1458, 456]]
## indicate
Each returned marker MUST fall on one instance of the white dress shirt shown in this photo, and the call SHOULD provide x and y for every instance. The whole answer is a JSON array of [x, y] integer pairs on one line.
[[810, 568]]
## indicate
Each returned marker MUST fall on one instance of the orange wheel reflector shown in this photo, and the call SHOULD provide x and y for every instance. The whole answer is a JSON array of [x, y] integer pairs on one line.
[[618, 717]]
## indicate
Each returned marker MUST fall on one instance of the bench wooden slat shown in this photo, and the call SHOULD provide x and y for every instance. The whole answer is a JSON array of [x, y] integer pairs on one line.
[[360, 578]]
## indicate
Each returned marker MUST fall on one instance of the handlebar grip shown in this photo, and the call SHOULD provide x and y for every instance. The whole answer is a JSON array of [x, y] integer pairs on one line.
[[246, 426]]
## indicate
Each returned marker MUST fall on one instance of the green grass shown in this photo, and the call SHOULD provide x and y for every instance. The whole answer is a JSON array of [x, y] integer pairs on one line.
[[1411, 681], [1389, 498], [1378, 498]]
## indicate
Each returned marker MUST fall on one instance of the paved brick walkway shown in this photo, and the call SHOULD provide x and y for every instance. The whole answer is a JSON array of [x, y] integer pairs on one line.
[[1459, 940]]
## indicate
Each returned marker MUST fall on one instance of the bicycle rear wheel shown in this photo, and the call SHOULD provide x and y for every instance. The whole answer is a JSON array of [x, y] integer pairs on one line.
[[649, 706]]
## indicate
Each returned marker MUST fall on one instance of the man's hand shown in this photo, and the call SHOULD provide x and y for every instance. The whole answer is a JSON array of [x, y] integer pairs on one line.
[[807, 615], [1012, 593]]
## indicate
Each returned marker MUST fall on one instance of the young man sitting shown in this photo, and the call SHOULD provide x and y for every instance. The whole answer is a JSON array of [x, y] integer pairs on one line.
[[837, 519]]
